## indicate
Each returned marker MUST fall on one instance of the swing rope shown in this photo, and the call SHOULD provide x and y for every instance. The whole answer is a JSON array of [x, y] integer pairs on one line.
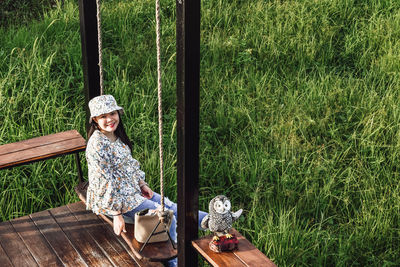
[[159, 90], [98, 16], [164, 216], [159, 87]]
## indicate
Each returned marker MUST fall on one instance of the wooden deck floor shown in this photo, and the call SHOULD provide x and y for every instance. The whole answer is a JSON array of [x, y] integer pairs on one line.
[[64, 236]]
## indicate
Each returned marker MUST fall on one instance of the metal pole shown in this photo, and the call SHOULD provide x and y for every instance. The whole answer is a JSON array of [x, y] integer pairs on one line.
[[188, 95], [79, 168], [90, 54]]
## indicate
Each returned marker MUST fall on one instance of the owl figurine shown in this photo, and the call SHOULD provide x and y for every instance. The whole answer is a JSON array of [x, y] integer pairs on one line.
[[220, 218]]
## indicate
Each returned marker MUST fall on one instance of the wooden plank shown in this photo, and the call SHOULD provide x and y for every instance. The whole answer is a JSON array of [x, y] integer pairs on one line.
[[35, 242], [4, 260], [57, 239], [39, 141], [215, 259], [14, 247], [81, 240], [42, 152], [246, 255], [249, 254], [103, 236], [161, 251]]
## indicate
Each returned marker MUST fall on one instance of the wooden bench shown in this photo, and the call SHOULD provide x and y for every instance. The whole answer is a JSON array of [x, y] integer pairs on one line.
[[246, 254], [42, 148]]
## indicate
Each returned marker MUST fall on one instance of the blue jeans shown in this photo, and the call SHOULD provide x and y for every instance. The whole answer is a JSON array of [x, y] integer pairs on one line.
[[153, 203]]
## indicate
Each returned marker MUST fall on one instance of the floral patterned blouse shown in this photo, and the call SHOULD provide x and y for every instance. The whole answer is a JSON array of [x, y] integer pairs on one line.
[[114, 176]]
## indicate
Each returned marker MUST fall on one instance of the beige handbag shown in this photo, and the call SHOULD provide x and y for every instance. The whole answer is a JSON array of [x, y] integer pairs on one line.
[[145, 222]]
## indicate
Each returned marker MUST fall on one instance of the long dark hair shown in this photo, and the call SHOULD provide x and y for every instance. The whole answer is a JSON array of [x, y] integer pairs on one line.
[[119, 132]]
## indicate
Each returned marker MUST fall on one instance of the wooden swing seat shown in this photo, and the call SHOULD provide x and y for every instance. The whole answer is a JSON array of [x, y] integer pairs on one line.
[[161, 251]]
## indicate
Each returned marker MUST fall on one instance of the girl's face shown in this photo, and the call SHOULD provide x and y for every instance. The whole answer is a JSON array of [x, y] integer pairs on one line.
[[108, 122]]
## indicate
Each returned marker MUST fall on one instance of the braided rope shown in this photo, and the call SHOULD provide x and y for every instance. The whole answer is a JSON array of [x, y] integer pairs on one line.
[[98, 15], [159, 90]]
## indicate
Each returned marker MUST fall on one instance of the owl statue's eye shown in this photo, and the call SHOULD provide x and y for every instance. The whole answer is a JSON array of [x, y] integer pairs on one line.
[[219, 206], [227, 205]]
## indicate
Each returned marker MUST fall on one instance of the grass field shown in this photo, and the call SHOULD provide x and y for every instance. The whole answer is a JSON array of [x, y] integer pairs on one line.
[[300, 116]]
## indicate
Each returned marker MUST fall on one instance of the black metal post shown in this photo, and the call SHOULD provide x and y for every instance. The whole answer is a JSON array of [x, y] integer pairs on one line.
[[79, 168], [188, 95], [90, 54]]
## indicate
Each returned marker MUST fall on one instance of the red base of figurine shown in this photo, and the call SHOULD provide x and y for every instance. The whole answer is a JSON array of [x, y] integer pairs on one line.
[[224, 244]]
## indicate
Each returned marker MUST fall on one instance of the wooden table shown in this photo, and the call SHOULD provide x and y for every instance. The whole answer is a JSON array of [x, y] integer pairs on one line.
[[64, 236]]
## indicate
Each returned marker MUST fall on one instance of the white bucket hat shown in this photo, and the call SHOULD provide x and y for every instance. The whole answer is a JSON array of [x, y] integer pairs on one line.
[[103, 104]]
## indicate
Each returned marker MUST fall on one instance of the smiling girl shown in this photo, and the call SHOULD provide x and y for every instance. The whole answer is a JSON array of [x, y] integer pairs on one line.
[[116, 183]]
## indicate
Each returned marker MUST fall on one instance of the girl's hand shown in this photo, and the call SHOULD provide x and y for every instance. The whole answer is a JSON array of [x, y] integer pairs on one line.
[[146, 192], [119, 225]]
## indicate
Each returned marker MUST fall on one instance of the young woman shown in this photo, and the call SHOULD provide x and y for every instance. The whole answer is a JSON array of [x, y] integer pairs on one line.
[[116, 183]]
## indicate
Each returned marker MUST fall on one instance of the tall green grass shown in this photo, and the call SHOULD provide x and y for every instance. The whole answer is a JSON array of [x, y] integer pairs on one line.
[[299, 116], [19, 12]]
